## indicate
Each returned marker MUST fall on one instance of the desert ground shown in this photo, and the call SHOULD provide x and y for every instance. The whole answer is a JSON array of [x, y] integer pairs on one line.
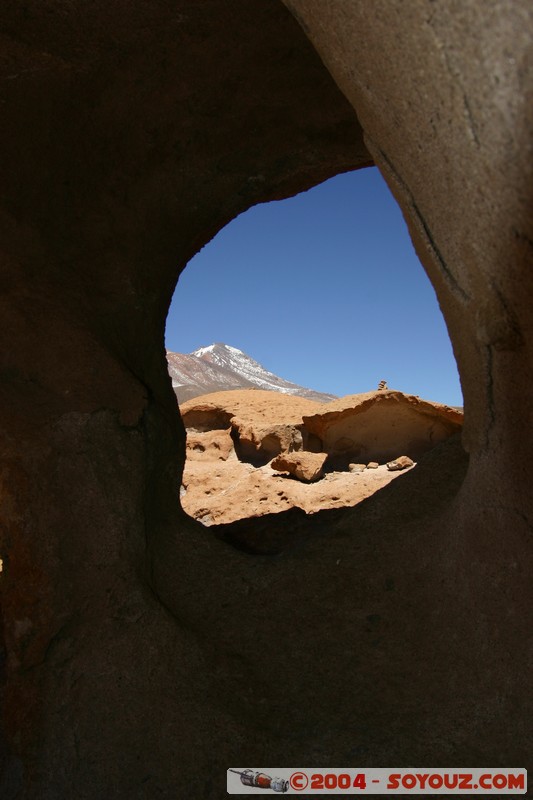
[[252, 452]]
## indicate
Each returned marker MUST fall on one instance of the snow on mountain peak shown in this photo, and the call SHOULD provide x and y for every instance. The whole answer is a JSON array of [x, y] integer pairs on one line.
[[203, 350], [220, 366], [217, 347]]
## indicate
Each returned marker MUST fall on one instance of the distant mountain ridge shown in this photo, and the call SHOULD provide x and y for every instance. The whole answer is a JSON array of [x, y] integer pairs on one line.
[[219, 367]]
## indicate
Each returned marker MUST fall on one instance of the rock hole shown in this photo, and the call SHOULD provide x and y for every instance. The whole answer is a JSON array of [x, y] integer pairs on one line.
[[345, 308]]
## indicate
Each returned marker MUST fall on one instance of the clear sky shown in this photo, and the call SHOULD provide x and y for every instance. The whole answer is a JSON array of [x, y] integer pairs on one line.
[[323, 289]]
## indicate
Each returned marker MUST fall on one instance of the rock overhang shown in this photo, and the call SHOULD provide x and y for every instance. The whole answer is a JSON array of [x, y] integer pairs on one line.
[[369, 426], [130, 135], [381, 425]]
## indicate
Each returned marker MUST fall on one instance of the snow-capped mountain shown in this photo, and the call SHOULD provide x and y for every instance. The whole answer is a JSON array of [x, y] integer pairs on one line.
[[218, 367]]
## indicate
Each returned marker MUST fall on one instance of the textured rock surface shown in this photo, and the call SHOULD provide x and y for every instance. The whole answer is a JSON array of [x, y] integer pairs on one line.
[[263, 423], [211, 445], [130, 134], [379, 425], [402, 462], [216, 492], [258, 445], [304, 466], [433, 485], [249, 408], [376, 425], [221, 493], [142, 651]]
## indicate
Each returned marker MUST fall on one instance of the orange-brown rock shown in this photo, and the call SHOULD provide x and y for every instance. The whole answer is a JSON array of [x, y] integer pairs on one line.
[[303, 466], [378, 425], [214, 445], [260, 444], [216, 492], [140, 651], [236, 490], [402, 462], [251, 407], [263, 423]]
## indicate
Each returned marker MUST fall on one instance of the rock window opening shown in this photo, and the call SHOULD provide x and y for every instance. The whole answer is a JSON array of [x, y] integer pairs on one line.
[[325, 290]]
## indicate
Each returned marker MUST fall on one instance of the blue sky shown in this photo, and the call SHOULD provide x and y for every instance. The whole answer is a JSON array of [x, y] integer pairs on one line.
[[323, 289]]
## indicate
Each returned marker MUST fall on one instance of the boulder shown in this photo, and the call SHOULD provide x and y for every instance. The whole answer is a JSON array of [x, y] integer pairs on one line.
[[357, 467], [372, 465], [258, 445], [402, 462], [304, 466]]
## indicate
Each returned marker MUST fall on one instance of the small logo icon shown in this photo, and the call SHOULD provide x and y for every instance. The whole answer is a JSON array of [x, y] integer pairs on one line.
[[299, 781], [261, 781]]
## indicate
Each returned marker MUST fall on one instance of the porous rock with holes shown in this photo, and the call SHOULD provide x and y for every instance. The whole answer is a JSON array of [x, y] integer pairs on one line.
[[143, 655], [314, 441], [263, 423]]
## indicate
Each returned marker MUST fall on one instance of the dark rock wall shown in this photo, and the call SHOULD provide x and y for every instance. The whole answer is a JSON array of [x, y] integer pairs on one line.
[[143, 657], [440, 90]]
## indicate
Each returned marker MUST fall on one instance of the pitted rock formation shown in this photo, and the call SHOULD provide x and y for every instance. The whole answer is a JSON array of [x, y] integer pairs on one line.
[[377, 426], [263, 424], [217, 490], [140, 653], [215, 493], [373, 426], [215, 444]]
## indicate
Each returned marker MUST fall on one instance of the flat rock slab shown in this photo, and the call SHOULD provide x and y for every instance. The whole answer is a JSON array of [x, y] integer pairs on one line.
[[215, 492]]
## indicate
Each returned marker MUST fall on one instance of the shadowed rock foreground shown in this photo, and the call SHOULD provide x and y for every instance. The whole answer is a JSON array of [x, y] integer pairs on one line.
[[143, 653]]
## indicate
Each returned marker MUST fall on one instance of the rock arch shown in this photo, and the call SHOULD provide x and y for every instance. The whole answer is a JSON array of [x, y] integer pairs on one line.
[[141, 655]]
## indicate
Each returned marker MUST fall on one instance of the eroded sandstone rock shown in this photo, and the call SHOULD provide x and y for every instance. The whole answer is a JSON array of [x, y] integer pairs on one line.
[[216, 492], [214, 445], [376, 426], [304, 466], [263, 423], [402, 462], [258, 444], [236, 493]]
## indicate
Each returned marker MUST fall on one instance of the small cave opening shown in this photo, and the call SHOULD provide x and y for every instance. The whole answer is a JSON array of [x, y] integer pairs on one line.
[[309, 356]]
